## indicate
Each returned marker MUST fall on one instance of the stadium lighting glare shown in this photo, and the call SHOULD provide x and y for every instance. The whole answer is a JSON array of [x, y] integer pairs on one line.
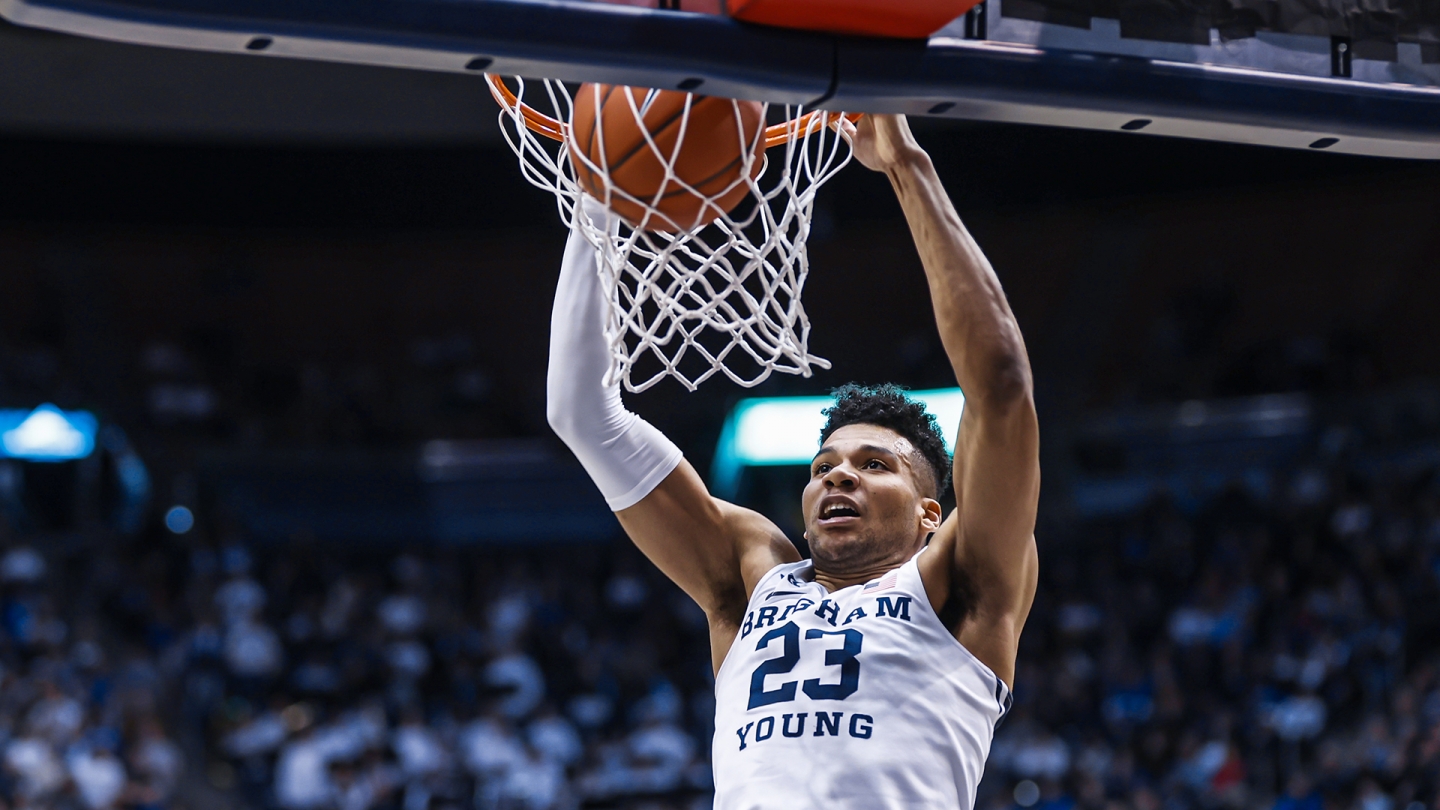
[[775, 431], [47, 434]]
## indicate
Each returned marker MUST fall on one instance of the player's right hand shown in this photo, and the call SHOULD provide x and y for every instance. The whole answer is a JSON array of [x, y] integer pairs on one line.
[[882, 142]]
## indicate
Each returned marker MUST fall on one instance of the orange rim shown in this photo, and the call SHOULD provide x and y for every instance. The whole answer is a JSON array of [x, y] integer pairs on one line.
[[543, 124]]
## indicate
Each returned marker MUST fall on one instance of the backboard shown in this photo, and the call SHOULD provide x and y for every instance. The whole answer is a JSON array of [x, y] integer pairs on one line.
[[1327, 75]]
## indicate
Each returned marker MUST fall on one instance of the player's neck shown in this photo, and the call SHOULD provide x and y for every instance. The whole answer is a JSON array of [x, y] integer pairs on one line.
[[834, 581]]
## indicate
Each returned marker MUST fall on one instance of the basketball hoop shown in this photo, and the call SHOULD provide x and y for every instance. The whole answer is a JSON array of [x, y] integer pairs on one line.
[[720, 298]]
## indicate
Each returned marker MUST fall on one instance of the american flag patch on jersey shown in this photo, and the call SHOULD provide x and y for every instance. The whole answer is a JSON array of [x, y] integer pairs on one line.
[[884, 583]]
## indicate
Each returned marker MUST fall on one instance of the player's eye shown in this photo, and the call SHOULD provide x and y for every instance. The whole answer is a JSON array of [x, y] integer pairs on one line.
[[821, 469], [874, 464]]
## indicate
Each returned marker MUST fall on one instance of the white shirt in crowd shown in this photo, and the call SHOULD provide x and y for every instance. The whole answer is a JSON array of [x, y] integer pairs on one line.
[[99, 777]]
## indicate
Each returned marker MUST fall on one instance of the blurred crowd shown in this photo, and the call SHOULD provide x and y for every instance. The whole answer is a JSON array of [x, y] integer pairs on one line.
[[81, 717], [314, 677], [1279, 647], [1276, 648], [532, 679]]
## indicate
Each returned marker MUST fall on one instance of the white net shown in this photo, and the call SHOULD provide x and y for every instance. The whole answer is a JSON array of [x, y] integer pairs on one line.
[[689, 299]]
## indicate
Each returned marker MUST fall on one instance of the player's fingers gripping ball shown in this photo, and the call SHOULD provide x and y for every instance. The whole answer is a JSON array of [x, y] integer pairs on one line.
[[665, 160]]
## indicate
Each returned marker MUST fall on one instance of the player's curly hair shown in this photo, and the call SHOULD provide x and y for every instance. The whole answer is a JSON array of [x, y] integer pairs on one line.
[[888, 406]]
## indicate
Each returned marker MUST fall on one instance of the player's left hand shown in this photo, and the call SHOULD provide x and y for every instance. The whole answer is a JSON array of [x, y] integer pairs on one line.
[[881, 142]]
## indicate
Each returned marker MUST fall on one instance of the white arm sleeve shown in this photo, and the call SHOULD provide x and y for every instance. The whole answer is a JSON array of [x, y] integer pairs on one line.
[[626, 456]]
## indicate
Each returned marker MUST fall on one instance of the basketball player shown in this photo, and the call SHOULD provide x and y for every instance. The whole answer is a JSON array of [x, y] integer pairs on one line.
[[872, 675]]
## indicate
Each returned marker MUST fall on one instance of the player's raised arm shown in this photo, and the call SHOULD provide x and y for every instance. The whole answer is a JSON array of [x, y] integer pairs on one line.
[[715, 551], [990, 537]]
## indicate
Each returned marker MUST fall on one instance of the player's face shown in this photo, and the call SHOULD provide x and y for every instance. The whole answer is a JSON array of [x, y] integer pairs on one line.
[[865, 503]]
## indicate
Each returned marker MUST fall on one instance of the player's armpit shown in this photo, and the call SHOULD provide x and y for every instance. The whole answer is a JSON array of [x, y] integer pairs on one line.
[[989, 627], [714, 550]]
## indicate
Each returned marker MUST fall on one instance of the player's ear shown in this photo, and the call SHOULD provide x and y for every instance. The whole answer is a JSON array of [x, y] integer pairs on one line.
[[930, 514]]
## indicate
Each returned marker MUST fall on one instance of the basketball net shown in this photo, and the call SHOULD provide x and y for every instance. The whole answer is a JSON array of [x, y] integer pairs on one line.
[[723, 298]]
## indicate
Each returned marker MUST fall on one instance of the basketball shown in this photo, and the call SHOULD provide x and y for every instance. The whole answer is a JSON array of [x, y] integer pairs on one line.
[[707, 151]]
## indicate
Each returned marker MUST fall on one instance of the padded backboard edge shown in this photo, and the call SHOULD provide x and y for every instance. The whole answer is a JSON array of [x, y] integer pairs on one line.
[[946, 77]]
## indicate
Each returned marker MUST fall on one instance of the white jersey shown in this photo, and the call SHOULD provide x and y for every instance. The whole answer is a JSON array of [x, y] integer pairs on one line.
[[854, 699]]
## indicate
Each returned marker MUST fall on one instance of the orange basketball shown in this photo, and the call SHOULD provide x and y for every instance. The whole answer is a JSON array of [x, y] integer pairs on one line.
[[717, 136]]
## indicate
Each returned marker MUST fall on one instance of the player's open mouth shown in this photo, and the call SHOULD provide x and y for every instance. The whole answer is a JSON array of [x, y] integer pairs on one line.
[[838, 512]]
